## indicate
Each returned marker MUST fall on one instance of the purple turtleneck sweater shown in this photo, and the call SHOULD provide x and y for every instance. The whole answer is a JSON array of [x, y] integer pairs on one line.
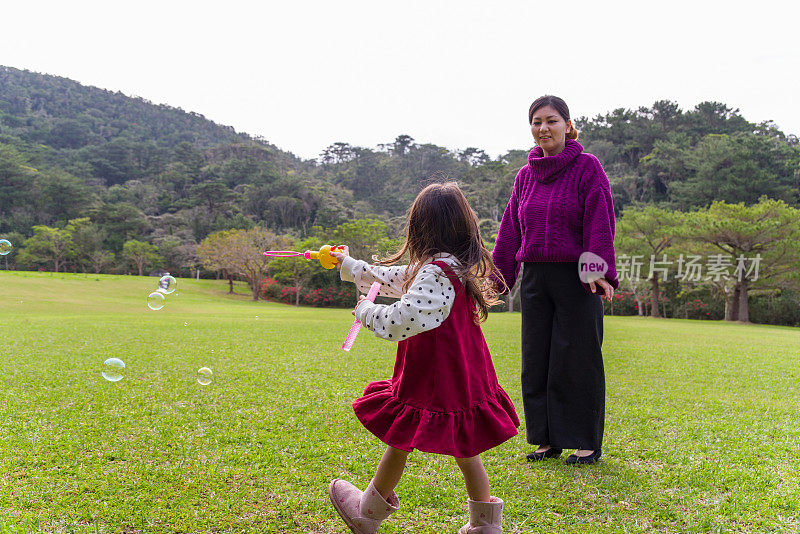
[[560, 207]]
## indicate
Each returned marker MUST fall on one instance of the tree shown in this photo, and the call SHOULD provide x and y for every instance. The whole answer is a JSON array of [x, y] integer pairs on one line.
[[666, 114], [402, 144], [241, 251], [113, 162], [140, 254], [190, 159], [632, 133], [61, 196], [648, 232], [177, 253], [473, 156], [283, 210], [87, 244], [99, 258], [337, 153], [122, 222], [215, 196], [143, 195], [768, 232], [364, 237], [715, 117], [248, 257], [739, 168], [216, 253], [47, 245], [486, 187], [69, 133], [16, 181], [666, 164]]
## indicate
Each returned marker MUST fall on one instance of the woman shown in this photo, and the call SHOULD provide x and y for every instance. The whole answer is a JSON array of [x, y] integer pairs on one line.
[[560, 208]]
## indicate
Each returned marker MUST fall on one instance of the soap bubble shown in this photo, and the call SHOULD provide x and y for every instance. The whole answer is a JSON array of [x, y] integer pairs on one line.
[[113, 369], [5, 247], [167, 284], [155, 300], [204, 376]]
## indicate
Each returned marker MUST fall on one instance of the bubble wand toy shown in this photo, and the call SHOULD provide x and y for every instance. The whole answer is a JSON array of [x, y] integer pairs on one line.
[[325, 259], [329, 262], [351, 335]]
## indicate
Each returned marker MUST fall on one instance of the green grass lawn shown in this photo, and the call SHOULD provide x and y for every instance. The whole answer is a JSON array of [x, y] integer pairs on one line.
[[702, 428]]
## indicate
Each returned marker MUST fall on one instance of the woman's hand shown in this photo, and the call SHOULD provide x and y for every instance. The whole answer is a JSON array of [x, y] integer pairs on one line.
[[340, 255], [360, 298], [608, 289]]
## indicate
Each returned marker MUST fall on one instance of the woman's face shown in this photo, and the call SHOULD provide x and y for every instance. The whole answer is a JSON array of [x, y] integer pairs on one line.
[[549, 130]]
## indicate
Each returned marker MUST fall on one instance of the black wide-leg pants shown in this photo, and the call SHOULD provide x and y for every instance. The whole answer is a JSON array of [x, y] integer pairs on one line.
[[563, 381]]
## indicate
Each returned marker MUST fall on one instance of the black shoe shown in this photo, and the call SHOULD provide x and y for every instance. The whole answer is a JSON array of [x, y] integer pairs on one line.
[[592, 458], [549, 453]]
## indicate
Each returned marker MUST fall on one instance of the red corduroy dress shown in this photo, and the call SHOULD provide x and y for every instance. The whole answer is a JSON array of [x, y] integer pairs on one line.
[[443, 396]]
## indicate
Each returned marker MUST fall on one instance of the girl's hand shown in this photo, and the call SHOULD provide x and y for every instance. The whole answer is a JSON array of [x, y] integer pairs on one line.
[[360, 298], [608, 289], [340, 256]]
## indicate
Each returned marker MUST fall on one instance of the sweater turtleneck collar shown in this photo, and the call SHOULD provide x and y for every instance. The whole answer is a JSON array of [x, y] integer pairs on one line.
[[546, 169]]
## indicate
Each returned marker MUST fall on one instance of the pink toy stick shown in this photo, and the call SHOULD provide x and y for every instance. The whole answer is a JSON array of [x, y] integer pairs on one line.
[[351, 335], [283, 253]]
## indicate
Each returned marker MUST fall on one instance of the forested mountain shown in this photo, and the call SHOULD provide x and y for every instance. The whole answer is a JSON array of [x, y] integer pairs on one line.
[[136, 169], [62, 113], [128, 170]]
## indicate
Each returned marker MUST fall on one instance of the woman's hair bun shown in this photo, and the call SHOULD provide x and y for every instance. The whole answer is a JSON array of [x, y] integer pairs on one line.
[[572, 133]]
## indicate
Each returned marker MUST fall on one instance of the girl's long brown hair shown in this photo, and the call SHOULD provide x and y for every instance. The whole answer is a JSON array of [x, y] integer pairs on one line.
[[441, 220]]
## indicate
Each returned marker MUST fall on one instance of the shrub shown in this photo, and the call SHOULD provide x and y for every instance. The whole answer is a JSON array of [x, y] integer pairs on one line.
[[328, 297], [624, 304], [713, 309], [782, 308], [322, 297], [270, 289], [288, 295]]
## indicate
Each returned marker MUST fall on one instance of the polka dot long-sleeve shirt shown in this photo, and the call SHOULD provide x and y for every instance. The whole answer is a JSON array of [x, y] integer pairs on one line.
[[424, 307]]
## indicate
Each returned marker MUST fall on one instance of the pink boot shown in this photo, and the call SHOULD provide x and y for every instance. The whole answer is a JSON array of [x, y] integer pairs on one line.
[[364, 511], [484, 517]]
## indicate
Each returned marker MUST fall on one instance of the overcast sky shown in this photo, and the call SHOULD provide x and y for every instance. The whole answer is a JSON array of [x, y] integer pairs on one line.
[[458, 74]]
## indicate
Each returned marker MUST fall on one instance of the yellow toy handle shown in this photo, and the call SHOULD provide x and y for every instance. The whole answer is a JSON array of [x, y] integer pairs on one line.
[[325, 259]]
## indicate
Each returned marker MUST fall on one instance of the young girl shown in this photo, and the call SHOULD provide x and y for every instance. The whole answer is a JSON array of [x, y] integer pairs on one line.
[[443, 396]]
